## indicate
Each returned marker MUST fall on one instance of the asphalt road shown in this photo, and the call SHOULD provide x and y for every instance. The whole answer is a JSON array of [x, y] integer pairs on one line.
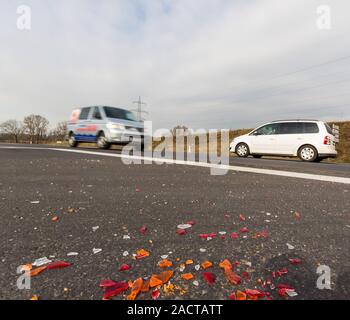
[[120, 198]]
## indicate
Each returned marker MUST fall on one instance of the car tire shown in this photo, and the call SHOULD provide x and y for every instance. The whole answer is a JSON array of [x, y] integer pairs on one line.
[[242, 150], [308, 153], [256, 156], [102, 142], [71, 140]]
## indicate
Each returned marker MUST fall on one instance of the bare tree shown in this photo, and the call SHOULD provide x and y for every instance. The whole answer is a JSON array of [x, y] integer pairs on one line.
[[60, 131], [36, 127], [13, 128]]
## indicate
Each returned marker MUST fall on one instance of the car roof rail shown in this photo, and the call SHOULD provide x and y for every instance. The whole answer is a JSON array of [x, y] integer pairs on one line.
[[295, 120]]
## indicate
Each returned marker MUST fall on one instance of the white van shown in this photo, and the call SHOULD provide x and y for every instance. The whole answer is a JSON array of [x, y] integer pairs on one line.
[[105, 126], [310, 140]]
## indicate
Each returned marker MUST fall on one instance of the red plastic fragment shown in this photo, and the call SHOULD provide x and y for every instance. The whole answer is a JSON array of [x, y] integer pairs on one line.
[[209, 277], [155, 294], [181, 232], [107, 283], [295, 261], [234, 235], [124, 267], [212, 235], [245, 275], [282, 272], [241, 217], [204, 236], [191, 222], [243, 230], [57, 265], [115, 290], [232, 296], [143, 229], [254, 293]]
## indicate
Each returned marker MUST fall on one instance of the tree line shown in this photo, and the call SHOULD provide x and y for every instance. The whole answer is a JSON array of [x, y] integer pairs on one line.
[[33, 129]]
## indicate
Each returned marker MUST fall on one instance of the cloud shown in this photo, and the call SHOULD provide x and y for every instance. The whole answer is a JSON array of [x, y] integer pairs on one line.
[[203, 63]]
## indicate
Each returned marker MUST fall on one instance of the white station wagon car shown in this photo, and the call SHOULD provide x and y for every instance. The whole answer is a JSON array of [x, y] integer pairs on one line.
[[310, 140]]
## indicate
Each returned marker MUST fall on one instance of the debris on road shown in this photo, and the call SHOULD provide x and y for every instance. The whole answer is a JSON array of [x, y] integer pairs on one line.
[[206, 264], [143, 229], [165, 263], [295, 261], [140, 254], [209, 277], [69, 254], [187, 276], [184, 226], [41, 261], [181, 232], [290, 247], [57, 265], [124, 267], [112, 289], [96, 250]]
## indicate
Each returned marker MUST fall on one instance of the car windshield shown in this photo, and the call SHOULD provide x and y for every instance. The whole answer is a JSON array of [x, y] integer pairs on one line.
[[117, 113]]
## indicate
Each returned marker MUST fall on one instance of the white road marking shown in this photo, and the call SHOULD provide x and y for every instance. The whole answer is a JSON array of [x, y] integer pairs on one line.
[[290, 174]]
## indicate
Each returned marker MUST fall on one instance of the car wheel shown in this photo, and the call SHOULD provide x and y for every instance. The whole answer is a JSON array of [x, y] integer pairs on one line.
[[308, 153], [256, 156], [102, 141], [71, 141], [242, 150]]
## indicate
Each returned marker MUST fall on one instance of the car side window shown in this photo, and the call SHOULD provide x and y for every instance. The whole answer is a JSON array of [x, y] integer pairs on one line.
[[84, 114], [310, 127], [269, 129], [96, 114], [290, 128]]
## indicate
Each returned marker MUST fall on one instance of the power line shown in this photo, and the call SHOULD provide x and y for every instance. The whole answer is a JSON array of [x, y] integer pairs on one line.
[[139, 108]]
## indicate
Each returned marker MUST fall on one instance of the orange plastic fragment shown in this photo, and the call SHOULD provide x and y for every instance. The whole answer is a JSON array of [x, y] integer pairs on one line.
[[145, 286], [189, 262], [141, 254], [187, 276], [27, 267], [206, 264], [135, 289], [54, 218], [232, 277], [36, 271], [241, 295], [165, 263], [155, 281], [162, 278], [165, 276], [226, 264]]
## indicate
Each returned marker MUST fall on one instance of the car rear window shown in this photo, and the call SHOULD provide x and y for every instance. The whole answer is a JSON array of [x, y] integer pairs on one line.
[[84, 113], [329, 129], [297, 128]]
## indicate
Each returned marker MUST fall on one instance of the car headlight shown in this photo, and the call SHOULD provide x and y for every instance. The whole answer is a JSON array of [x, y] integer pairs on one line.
[[115, 126]]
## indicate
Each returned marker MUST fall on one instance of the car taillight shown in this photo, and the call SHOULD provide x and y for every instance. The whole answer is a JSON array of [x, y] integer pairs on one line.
[[327, 140]]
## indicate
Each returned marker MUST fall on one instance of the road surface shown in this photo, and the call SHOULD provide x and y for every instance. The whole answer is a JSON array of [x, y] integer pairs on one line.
[[36, 185]]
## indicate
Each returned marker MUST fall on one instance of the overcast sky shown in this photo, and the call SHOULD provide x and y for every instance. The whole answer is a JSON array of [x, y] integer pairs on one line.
[[201, 63]]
